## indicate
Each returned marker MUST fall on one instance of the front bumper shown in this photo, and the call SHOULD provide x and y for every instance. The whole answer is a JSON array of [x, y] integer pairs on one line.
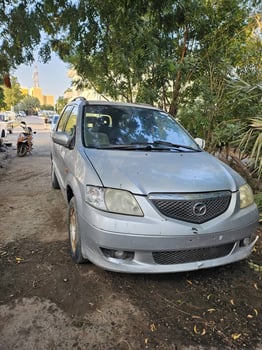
[[163, 241]]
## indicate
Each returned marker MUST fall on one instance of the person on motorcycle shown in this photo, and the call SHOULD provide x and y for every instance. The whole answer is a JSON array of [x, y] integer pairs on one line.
[[24, 141], [27, 129]]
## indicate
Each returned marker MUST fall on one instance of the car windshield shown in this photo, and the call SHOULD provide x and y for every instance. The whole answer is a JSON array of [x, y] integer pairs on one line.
[[128, 127]]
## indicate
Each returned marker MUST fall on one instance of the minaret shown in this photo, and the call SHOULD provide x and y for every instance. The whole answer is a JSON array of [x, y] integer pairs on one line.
[[35, 78], [36, 91]]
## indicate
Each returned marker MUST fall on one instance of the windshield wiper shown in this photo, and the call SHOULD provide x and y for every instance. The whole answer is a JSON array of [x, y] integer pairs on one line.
[[151, 146], [166, 144], [121, 146], [133, 146], [138, 146], [175, 145]]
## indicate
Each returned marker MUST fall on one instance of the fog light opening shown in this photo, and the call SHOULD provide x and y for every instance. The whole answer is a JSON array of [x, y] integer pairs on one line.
[[245, 242], [118, 254]]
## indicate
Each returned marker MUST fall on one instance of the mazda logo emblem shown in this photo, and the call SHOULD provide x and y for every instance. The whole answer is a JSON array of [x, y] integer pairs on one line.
[[199, 209]]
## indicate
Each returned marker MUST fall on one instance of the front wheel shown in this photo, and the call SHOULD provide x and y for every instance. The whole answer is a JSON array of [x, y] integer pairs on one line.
[[21, 150], [10, 130], [74, 234]]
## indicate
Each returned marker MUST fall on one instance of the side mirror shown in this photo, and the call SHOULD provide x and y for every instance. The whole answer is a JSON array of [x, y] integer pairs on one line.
[[200, 142], [63, 139]]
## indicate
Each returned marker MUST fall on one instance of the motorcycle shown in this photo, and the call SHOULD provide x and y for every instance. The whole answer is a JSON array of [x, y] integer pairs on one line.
[[25, 140]]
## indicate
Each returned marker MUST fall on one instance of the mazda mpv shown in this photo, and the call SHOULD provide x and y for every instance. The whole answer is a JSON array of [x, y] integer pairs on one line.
[[142, 196]]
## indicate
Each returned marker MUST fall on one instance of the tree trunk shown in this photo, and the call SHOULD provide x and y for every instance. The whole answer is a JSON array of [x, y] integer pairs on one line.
[[177, 84]]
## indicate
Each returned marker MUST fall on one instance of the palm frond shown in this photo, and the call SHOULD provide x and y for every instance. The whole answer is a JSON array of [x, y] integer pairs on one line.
[[253, 138]]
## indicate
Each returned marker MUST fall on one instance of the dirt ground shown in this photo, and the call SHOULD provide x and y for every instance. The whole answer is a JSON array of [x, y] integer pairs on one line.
[[48, 302]]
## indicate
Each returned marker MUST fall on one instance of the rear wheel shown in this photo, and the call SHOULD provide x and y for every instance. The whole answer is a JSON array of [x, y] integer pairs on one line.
[[54, 181], [21, 150], [74, 234]]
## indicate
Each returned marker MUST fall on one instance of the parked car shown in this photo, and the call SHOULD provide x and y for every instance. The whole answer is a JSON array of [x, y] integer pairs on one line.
[[6, 125], [142, 196], [21, 114], [10, 115], [54, 121]]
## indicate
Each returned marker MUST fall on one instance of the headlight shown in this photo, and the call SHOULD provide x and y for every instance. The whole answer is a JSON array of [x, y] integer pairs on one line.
[[115, 201], [246, 196]]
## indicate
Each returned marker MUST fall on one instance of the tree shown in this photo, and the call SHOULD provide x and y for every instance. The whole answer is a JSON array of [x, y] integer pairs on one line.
[[157, 52], [176, 54], [21, 26], [30, 104], [4, 82], [2, 103], [47, 107], [251, 138], [12, 95], [60, 104]]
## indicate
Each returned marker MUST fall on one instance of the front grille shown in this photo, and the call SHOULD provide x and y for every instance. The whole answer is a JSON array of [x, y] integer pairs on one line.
[[192, 255], [196, 208]]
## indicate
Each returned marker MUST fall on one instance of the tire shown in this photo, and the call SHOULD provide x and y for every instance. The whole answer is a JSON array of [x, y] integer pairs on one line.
[[54, 181], [74, 234], [21, 150]]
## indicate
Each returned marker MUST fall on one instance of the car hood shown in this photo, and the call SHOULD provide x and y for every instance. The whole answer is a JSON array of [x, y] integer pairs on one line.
[[145, 172]]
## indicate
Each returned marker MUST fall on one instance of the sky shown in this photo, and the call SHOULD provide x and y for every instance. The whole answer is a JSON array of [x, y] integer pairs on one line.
[[52, 76]]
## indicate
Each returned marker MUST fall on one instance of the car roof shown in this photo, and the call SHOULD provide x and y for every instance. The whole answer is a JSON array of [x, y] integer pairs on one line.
[[112, 103]]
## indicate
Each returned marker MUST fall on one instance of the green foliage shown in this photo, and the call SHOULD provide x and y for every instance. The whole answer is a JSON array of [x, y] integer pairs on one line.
[[186, 56], [47, 107], [30, 104], [20, 32], [258, 200], [12, 95], [60, 104], [163, 53], [227, 133], [2, 97], [252, 139], [247, 97]]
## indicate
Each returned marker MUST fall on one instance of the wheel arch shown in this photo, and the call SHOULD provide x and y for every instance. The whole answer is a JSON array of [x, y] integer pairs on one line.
[[69, 193], [73, 190]]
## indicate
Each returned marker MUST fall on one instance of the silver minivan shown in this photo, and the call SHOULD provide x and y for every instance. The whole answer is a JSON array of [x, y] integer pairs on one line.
[[142, 196]]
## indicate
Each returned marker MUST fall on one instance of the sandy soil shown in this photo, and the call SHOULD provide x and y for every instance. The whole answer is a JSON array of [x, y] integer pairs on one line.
[[48, 302]]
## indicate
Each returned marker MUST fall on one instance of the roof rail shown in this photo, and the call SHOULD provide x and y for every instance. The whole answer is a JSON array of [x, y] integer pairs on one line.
[[79, 98]]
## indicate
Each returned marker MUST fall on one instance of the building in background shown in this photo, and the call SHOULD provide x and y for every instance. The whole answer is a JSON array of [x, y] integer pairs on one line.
[[24, 91], [36, 91], [89, 94]]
